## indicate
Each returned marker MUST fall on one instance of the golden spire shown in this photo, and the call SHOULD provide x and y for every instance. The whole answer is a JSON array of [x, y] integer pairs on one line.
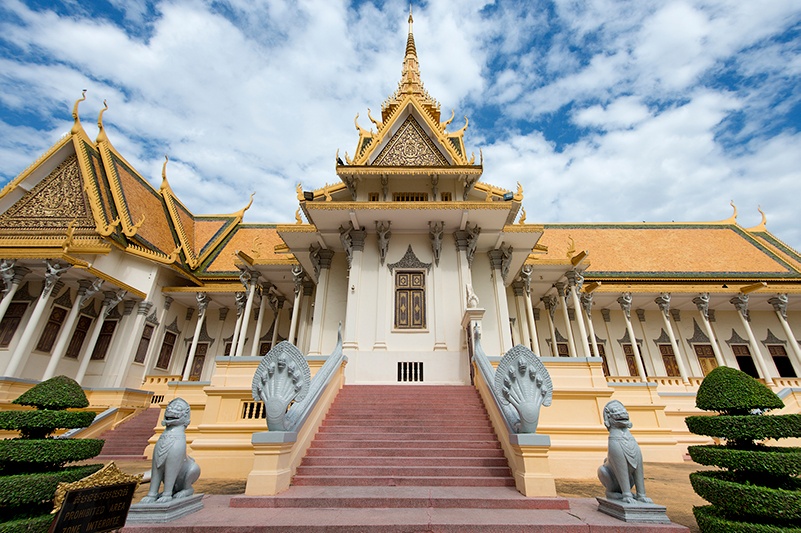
[[76, 126], [410, 76]]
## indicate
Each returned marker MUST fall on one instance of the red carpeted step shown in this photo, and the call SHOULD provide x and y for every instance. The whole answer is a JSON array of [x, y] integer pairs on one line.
[[405, 436], [130, 438]]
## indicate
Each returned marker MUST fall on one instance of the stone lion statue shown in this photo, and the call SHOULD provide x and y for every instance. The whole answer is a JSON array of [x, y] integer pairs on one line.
[[622, 470], [170, 464]]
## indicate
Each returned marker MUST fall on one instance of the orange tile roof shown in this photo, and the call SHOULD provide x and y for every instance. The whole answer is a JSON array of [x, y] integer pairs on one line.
[[666, 250], [256, 240]]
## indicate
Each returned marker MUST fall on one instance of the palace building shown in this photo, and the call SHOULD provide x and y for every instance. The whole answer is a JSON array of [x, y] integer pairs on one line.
[[122, 287]]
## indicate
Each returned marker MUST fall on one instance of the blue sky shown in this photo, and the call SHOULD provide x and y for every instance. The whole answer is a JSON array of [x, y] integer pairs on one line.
[[605, 110]]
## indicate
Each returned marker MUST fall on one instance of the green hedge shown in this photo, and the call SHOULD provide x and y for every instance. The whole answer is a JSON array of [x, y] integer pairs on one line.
[[39, 424], [24, 489], [17, 455], [734, 497], [774, 461], [710, 520], [731, 391], [37, 524], [746, 427], [56, 393]]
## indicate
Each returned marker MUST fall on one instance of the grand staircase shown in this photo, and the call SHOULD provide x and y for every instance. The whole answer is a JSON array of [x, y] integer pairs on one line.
[[129, 439], [425, 436]]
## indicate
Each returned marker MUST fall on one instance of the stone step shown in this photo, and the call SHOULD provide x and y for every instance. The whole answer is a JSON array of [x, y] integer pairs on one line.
[[388, 428], [404, 481], [398, 435], [399, 497], [365, 460], [405, 471], [405, 452], [395, 443]]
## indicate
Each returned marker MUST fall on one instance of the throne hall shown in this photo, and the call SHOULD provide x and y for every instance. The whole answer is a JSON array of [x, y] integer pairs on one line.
[[119, 285]]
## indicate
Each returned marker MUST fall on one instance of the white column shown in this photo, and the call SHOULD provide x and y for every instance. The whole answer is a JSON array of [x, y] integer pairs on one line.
[[523, 324], [131, 344], [663, 301], [356, 256], [241, 298], [202, 304], [462, 239], [86, 289], [304, 327], [550, 306], [740, 302], [249, 281], [316, 340], [575, 280], [111, 300], [562, 299], [702, 303], [586, 305], [254, 349], [279, 304], [532, 325], [157, 339], [779, 303], [504, 331], [53, 272], [625, 305], [297, 275], [12, 275]]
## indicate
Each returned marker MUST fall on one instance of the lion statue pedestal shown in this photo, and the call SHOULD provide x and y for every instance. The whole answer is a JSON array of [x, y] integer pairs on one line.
[[622, 472]]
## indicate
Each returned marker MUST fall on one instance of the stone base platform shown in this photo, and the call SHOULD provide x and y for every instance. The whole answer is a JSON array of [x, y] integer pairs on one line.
[[649, 513], [150, 513], [399, 510]]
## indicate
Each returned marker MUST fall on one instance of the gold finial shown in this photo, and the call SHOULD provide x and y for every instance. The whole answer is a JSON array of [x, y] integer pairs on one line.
[[299, 190], [164, 183], [411, 19], [101, 135], [378, 124], [76, 120], [733, 218], [327, 194], [522, 217], [764, 218], [298, 220], [443, 125], [519, 194], [241, 212]]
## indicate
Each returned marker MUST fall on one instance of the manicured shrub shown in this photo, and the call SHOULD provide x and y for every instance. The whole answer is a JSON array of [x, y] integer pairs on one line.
[[730, 391], [32, 466], [759, 492]]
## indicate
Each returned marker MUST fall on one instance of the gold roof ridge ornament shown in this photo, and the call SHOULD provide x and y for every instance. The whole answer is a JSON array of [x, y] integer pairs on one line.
[[164, 183], [76, 121], [762, 226], [101, 134]]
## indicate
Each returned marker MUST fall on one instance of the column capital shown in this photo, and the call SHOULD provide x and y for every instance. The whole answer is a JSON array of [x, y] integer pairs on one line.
[[202, 303], [702, 303], [144, 307], [586, 302], [297, 277], [496, 259], [549, 302], [606, 314], [248, 277], [223, 313], [111, 299], [460, 237], [53, 271], [574, 279], [128, 307], [740, 302], [308, 288], [241, 300], [779, 303], [519, 288], [358, 237], [663, 301], [168, 300], [560, 288], [625, 304]]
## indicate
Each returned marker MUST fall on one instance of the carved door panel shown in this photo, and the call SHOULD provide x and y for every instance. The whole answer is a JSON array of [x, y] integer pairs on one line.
[[602, 353], [198, 361], [669, 360], [630, 360], [706, 357]]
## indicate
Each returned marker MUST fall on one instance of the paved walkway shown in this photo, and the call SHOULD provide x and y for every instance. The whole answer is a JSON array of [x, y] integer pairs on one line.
[[667, 484]]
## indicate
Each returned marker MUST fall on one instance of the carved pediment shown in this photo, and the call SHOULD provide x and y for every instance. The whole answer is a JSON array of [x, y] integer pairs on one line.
[[53, 203], [410, 146]]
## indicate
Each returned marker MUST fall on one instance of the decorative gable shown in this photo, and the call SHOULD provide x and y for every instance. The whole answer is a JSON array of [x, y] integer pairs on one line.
[[54, 203], [410, 146]]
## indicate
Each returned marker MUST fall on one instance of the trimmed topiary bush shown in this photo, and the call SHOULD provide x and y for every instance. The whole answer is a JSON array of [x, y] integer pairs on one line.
[[760, 490], [33, 465]]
